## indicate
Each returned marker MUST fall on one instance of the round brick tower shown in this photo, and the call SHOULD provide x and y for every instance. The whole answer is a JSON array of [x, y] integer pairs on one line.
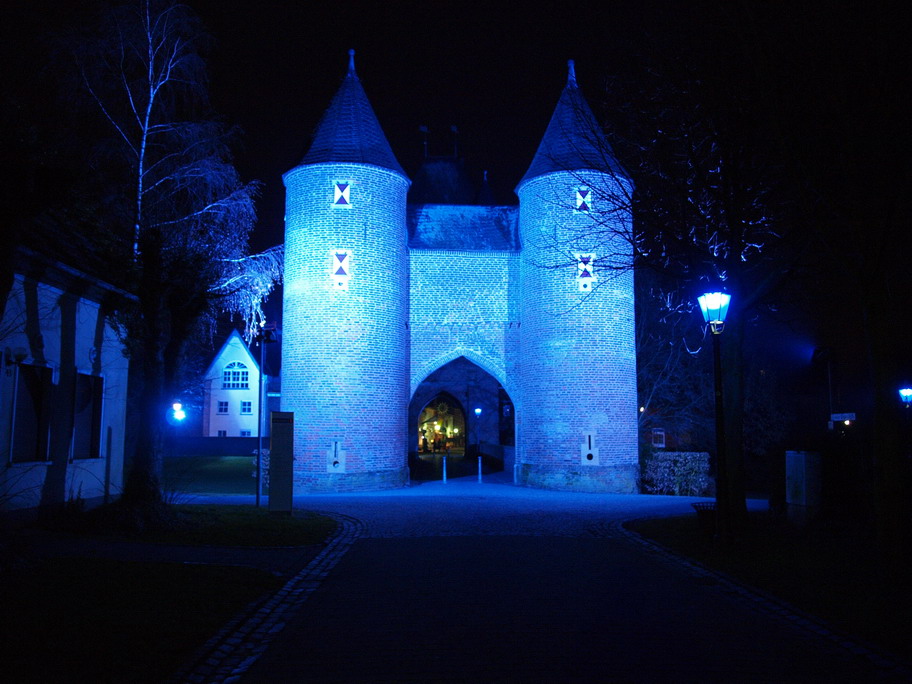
[[345, 342], [577, 414]]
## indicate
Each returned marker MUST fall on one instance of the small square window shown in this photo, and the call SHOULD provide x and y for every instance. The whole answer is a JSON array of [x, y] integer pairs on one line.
[[246, 407], [658, 438], [245, 433], [223, 433], [223, 408]]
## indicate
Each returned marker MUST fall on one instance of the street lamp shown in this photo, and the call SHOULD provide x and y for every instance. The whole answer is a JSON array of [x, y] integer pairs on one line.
[[905, 395], [714, 306]]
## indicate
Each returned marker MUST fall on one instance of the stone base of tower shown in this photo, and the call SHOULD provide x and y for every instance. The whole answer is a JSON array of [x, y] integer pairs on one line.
[[610, 479], [307, 483]]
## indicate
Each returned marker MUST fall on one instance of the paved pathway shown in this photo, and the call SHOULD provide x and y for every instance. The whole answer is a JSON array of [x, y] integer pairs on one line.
[[494, 583]]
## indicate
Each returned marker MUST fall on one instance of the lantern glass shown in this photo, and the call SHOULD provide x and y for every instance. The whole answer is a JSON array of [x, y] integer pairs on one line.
[[714, 306], [906, 395]]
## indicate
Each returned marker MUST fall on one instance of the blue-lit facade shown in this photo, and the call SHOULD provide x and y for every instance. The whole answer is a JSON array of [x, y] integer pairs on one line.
[[382, 297]]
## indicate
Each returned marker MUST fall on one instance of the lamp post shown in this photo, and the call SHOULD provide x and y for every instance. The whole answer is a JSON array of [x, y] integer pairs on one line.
[[266, 335], [714, 306]]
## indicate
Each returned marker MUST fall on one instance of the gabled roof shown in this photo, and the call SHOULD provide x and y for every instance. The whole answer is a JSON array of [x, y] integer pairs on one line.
[[349, 130], [234, 339], [573, 141]]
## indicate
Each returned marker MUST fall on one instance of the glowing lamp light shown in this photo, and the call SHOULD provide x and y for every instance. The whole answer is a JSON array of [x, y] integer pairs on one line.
[[177, 411], [714, 306], [477, 412], [905, 394]]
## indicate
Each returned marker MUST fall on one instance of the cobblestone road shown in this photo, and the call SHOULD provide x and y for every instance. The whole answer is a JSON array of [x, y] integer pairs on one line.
[[462, 582]]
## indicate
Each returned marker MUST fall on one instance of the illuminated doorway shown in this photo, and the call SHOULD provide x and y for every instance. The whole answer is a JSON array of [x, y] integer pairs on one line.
[[463, 413]]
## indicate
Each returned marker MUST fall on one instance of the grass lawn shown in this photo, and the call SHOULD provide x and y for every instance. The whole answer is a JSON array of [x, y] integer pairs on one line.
[[831, 572], [92, 620], [100, 620], [244, 526], [209, 474]]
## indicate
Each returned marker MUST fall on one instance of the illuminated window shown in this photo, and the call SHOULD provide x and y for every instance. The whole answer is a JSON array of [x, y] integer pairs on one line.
[[235, 376], [223, 408], [246, 407]]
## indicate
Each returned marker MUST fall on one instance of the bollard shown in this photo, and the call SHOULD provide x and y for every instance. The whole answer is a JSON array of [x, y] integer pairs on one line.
[[479, 470], [444, 468]]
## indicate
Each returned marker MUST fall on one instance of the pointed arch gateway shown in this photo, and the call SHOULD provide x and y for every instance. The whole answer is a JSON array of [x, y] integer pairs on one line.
[[442, 419]]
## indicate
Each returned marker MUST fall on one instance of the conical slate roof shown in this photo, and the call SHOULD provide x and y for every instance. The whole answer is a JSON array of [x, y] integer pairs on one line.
[[349, 130], [573, 140]]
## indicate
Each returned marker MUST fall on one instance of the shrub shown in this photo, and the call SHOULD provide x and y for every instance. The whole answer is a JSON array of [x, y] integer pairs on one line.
[[683, 473]]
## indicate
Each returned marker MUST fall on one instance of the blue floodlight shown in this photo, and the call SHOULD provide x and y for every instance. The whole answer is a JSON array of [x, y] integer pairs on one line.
[[714, 306], [906, 395]]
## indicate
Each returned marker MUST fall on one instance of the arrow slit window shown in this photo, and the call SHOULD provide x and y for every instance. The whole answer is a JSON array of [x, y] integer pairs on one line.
[[583, 199], [342, 194], [340, 268], [585, 271]]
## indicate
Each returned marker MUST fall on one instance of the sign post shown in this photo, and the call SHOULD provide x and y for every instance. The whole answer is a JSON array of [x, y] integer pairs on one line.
[[281, 461]]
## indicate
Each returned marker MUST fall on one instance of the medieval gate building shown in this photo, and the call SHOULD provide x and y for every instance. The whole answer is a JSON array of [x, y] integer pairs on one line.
[[367, 343]]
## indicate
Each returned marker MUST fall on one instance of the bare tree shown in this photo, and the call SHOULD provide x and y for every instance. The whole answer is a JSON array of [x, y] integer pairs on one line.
[[707, 211], [673, 382], [177, 230], [840, 120]]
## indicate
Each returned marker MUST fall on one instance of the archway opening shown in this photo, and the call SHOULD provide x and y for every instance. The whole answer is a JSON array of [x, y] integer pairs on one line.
[[460, 412]]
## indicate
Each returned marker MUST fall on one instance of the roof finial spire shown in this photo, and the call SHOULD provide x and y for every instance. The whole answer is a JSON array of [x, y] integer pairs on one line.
[[351, 62], [571, 73]]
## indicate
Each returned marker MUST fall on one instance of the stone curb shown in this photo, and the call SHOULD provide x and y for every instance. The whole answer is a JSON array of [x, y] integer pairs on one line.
[[231, 652]]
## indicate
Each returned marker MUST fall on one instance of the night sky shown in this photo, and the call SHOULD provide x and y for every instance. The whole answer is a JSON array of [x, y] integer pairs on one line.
[[495, 71]]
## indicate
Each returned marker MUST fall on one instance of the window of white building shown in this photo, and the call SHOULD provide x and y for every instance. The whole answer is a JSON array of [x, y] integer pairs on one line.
[[246, 407], [32, 413], [87, 416], [235, 376], [223, 408]]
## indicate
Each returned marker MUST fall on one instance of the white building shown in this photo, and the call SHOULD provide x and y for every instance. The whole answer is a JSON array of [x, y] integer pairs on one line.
[[63, 388], [231, 399]]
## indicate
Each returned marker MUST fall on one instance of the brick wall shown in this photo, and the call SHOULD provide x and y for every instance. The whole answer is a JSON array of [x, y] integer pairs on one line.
[[463, 304], [576, 414], [345, 355]]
